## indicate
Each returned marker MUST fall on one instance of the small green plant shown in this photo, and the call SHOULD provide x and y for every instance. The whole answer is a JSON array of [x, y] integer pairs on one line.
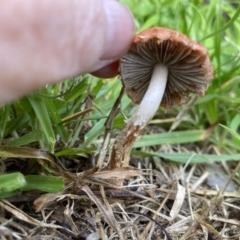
[[14, 183]]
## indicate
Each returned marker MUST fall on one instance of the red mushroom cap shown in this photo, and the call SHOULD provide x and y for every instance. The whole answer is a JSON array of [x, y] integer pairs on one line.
[[189, 66]]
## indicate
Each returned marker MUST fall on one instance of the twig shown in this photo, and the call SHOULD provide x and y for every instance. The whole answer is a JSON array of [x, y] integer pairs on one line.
[[108, 127], [112, 193], [231, 178], [163, 229]]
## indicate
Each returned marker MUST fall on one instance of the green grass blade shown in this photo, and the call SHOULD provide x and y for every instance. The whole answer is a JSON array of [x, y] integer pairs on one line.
[[56, 119], [11, 182], [191, 157], [43, 183], [43, 117], [96, 130], [4, 115], [226, 26], [171, 138], [26, 139], [71, 151], [235, 134], [76, 91], [9, 194], [16, 124]]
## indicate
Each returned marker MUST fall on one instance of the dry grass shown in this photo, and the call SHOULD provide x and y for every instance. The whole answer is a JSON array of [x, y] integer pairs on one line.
[[158, 200], [179, 201]]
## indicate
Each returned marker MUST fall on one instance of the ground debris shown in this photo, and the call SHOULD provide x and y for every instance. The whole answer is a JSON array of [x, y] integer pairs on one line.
[[170, 202]]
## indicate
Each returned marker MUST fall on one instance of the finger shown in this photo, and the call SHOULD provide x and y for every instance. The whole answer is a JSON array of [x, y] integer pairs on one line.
[[42, 42]]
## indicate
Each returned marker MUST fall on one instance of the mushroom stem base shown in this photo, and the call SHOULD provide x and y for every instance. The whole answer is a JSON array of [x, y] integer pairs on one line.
[[135, 125]]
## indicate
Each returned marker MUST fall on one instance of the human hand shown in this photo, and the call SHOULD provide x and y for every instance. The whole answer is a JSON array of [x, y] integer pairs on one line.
[[44, 42]]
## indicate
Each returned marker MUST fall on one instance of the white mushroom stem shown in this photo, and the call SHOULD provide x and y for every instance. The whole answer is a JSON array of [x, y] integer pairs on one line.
[[134, 126]]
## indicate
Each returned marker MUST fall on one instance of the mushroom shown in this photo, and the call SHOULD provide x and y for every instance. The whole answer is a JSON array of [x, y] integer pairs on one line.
[[162, 68]]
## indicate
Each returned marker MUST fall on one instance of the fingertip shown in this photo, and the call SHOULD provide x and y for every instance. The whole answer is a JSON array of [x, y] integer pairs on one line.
[[120, 29]]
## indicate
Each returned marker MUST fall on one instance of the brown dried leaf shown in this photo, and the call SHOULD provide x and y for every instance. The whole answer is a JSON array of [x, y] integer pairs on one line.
[[178, 202], [118, 173]]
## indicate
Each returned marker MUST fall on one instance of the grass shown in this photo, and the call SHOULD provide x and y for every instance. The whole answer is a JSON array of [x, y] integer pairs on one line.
[[64, 125]]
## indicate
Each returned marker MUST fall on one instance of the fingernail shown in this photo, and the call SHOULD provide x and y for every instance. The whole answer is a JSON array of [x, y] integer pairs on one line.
[[120, 29]]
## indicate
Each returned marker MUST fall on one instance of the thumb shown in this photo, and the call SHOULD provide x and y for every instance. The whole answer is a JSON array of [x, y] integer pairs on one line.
[[42, 42], [109, 31]]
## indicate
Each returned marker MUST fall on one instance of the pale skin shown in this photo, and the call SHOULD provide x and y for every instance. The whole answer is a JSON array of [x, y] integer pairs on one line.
[[44, 42]]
